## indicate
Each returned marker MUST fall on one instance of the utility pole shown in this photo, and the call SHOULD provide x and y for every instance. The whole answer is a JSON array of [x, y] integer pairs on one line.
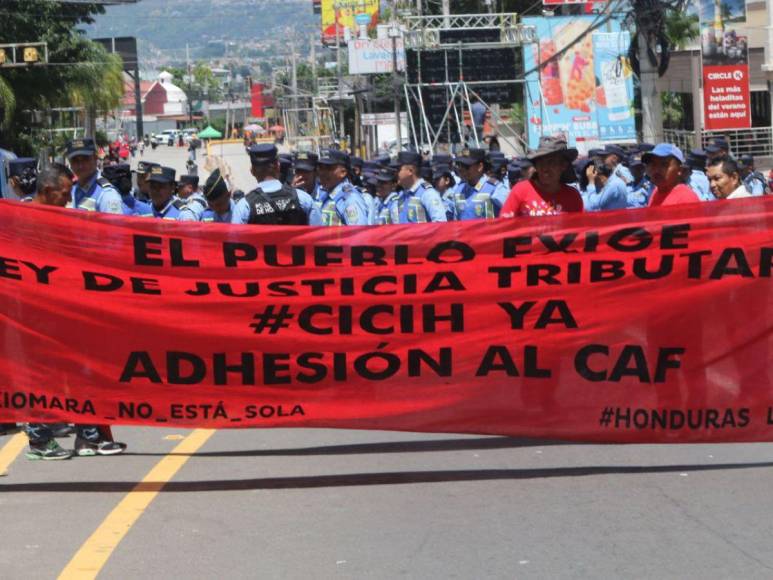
[[651, 106], [190, 79], [294, 84], [341, 131], [394, 32]]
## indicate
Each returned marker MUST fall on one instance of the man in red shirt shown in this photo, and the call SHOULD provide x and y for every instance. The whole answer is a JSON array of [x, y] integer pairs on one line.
[[664, 168], [545, 193]]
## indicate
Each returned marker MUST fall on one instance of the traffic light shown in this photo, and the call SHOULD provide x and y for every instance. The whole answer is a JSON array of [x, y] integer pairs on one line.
[[23, 54]]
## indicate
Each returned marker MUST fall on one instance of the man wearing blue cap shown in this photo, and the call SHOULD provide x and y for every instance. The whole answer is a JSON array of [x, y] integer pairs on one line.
[[339, 201], [477, 195], [162, 185], [92, 192], [664, 168], [273, 202], [418, 202]]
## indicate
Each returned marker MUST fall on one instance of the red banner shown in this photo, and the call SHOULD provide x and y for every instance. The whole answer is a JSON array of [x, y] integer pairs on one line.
[[633, 326], [726, 97]]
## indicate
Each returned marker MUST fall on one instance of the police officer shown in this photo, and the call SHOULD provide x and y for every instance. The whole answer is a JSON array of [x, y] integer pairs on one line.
[[640, 190], [418, 202], [339, 201], [92, 192], [477, 195], [273, 202], [614, 155], [162, 186], [120, 176], [694, 170], [385, 182], [142, 191], [220, 205], [442, 179], [753, 180], [195, 203], [285, 168], [305, 173], [356, 174]]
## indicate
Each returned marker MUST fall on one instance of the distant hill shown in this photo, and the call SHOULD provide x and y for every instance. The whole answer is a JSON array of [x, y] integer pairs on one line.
[[163, 27]]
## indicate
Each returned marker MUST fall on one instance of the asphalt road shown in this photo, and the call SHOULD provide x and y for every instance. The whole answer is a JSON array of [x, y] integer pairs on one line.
[[346, 504]]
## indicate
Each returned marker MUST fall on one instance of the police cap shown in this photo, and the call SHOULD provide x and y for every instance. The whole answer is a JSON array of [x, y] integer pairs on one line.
[[262, 153], [382, 160], [646, 147], [161, 174], [83, 146], [472, 157], [215, 185], [145, 166], [113, 173], [306, 161], [442, 159], [409, 158], [615, 150], [441, 170], [386, 175], [356, 161], [189, 180], [285, 159], [334, 157]]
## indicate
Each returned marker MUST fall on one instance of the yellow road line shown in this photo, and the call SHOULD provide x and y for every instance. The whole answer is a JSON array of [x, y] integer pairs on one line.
[[11, 450], [94, 553]]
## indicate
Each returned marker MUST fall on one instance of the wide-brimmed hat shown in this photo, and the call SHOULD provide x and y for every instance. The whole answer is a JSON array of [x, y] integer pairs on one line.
[[551, 146]]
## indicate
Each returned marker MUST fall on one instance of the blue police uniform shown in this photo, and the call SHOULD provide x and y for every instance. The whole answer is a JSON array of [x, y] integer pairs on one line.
[[755, 183], [624, 173], [171, 211], [381, 214], [133, 206], [343, 206], [210, 215], [97, 194], [699, 183], [639, 193], [420, 204], [241, 210], [484, 200], [194, 207], [614, 195]]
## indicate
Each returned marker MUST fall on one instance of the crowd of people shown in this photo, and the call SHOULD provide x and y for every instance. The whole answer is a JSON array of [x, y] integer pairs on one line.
[[334, 188]]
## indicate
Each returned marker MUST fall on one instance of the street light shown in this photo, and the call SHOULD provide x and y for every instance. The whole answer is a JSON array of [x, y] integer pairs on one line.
[[394, 33]]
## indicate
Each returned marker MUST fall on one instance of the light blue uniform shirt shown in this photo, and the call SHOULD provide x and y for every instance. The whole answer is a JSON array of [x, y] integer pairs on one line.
[[343, 206], [210, 215], [241, 211], [624, 173], [755, 184], [614, 195], [96, 196], [639, 193], [484, 200], [699, 183], [420, 204], [381, 213], [195, 206]]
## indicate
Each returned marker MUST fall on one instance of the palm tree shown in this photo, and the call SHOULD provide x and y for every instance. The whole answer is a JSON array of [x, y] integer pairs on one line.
[[7, 103]]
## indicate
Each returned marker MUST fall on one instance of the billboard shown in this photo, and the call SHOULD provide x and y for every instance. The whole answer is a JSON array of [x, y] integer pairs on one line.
[[342, 14], [585, 92], [725, 57], [374, 56]]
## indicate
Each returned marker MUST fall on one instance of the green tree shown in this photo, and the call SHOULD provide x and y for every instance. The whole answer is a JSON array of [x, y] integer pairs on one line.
[[79, 72]]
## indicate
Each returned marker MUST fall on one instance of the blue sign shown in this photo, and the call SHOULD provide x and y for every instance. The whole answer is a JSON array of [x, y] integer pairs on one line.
[[585, 92]]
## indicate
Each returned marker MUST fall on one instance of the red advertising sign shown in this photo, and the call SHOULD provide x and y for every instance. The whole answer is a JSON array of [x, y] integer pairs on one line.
[[726, 97], [647, 325]]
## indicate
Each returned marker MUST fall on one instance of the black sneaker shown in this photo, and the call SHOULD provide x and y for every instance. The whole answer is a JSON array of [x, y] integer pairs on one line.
[[50, 451], [85, 448]]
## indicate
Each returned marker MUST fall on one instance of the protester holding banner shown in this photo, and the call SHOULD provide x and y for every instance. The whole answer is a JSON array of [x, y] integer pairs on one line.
[[664, 168], [545, 193]]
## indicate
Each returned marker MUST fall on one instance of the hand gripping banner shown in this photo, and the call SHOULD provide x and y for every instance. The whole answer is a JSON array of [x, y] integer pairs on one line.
[[633, 326]]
